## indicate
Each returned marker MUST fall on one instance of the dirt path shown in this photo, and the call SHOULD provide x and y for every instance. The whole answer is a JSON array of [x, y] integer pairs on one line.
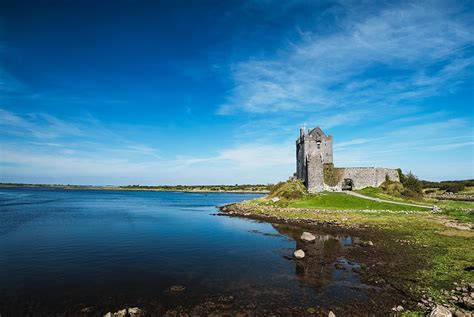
[[384, 200]]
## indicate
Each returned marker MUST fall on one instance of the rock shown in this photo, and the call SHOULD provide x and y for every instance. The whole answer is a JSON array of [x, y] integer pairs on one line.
[[461, 313], [87, 310], [121, 313], [276, 199], [440, 311], [469, 268], [398, 308], [370, 243], [177, 289], [308, 237], [311, 310], [299, 254], [435, 208], [468, 303], [226, 299], [331, 314], [339, 266], [109, 314], [135, 312]]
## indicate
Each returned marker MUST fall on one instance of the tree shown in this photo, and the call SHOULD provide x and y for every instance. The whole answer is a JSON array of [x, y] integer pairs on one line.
[[413, 186]]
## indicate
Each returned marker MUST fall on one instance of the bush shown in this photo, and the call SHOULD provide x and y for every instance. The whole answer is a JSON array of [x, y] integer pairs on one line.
[[392, 188], [290, 190], [401, 175], [332, 175], [413, 185], [453, 187], [410, 193]]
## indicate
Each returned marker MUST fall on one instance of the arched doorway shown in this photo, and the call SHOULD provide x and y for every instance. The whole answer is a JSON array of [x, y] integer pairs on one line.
[[347, 184]]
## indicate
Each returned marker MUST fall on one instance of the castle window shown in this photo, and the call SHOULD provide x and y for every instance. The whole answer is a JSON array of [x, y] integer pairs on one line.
[[318, 145]]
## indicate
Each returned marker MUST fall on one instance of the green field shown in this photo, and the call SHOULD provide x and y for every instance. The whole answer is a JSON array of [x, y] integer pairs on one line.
[[459, 210], [341, 201], [469, 190]]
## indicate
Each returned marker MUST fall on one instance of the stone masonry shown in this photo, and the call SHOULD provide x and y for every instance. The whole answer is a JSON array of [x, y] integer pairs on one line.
[[314, 166]]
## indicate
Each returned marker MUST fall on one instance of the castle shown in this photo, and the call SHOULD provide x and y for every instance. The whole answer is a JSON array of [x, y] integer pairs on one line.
[[314, 166]]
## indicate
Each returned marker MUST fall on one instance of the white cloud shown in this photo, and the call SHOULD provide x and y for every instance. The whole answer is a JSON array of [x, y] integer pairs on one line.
[[420, 46], [50, 149], [246, 163]]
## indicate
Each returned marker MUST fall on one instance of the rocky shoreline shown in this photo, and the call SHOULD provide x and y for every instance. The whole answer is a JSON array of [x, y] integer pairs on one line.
[[374, 256]]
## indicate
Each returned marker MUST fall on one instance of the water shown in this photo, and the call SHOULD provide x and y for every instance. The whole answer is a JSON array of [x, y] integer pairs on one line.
[[62, 250]]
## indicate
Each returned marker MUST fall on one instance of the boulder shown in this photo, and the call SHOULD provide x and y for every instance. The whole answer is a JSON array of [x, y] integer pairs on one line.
[[308, 237], [435, 209], [299, 254], [331, 314], [121, 313], [135, 312], [276, 199], [440, 311]]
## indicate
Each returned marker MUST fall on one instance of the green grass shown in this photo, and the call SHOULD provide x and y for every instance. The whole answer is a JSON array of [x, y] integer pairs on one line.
[[469, 190], [378, 193], [462, 211], [341, 201], [292, 189]]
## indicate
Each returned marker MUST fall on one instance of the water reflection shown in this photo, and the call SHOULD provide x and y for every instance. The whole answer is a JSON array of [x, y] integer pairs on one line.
[[325, 267]]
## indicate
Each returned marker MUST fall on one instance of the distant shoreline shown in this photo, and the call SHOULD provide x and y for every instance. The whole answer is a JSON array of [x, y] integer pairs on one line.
[[257, 189]]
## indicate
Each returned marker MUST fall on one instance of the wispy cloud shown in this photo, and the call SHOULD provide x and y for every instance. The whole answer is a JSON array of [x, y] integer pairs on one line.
[[49, 149], [401, 54]]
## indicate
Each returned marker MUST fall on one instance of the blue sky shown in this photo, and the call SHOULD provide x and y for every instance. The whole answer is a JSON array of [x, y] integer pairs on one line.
[[211, 92]]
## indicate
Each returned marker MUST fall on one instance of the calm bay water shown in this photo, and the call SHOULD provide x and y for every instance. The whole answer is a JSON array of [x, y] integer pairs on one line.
[[61, 250]]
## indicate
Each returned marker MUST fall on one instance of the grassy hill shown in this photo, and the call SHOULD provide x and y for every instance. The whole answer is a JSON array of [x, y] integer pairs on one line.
[[293, 194], [341, 201]]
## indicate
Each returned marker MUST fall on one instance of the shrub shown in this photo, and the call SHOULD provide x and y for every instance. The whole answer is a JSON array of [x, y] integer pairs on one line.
[[453, 187], [410, 193], [401, 175], [290, 190], [332, 175], [413, 186], [392, 188]]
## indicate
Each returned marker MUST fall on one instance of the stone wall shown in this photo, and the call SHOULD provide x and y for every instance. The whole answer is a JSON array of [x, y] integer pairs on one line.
[[368, 176], [314, 150], [315, 177]]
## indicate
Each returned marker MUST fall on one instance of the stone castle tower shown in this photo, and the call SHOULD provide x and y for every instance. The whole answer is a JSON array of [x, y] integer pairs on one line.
[[314, 166], [313, 149]]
